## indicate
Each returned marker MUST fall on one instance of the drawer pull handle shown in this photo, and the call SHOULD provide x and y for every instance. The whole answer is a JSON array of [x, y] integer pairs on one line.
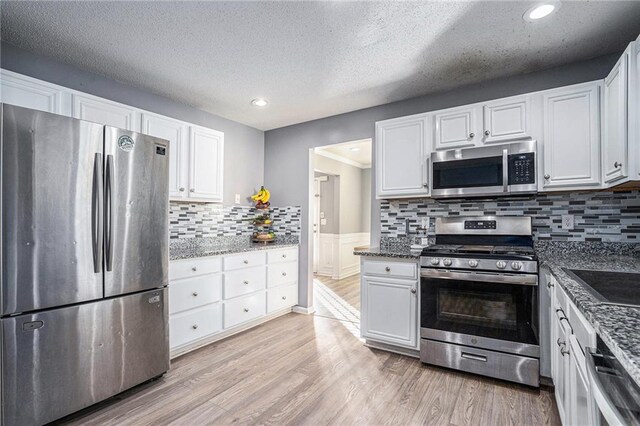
[[195, 294], [194, 326], [246, 282], [246, 262], [194, 269], [246, 309], [550, 284], [473, 357], [284, 297], [560, 343], [284, 274], [284, 256], [387, 269]]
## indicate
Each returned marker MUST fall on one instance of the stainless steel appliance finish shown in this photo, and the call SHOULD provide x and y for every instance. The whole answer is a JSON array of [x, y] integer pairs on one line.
[[479, 298], [489, 171], [84, 229], [62, 360]]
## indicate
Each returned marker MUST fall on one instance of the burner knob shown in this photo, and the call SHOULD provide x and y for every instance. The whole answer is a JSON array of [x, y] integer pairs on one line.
[[516, 265], [446, 262], [473, 263], [501, 264], [435, 261]]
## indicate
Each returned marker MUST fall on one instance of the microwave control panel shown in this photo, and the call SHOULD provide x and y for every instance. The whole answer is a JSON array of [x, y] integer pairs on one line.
[[522, 168]]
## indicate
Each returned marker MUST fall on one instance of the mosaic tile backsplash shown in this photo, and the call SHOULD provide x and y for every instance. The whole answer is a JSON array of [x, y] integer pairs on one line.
[[193, 220], [599, 216]]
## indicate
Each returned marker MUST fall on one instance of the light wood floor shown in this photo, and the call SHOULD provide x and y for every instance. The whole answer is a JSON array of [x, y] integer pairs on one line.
[[339, 299], [311, 370]]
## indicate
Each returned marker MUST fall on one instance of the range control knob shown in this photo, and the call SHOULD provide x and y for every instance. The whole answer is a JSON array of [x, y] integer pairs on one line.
[[516, 265], [435, 261], [446, 262], [473, 263], [501, 264]]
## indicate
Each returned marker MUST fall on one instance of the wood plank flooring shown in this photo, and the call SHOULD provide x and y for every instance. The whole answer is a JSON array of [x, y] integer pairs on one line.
[[311, 370], [339, 299]]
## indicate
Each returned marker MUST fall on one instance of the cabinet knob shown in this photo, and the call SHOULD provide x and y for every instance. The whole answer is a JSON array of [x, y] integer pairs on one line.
[[246, 262], [560, 342], [564, 351], [414, 291], [246, 309], [388, 269], [194, 269], [284, 256], [471, 135], [284, 274], [181, 189], [617, 165], [284, 297], [195, 294], [194, 326], [246, 283], [487, 132], [547, 176], [549, 284], [192, 190]]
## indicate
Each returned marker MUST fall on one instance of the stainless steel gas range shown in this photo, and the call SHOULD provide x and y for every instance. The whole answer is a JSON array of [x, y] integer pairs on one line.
[[479, 298]]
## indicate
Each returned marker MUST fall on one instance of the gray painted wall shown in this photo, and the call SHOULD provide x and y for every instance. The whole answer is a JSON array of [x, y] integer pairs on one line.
[[330, 204], [291, 145], [244, 145]]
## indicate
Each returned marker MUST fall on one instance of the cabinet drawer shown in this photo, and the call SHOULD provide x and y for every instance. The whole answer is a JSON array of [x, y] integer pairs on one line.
[[282, 273], [390, 269], [282, 297], [244, 309], [585, 334], [560, 298], [190, 293], [244, 260], [282, 255], [191, 267], [193, 325], [244, 281]]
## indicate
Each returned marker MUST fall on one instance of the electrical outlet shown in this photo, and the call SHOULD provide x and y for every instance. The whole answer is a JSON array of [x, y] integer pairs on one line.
[[567, 221], [237, 198]]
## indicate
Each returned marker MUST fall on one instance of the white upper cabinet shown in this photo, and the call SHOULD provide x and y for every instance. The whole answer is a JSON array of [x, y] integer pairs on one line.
[[206, 156], [615, 164], [27, 92], [506, 119], [571, 138], [177, 133], [456, 127], [402, 157], [634, 108], [103, 111]]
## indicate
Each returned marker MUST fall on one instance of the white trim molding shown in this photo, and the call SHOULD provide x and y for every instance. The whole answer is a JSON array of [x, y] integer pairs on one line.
[[342, 159], [302, 310], [336, 258]]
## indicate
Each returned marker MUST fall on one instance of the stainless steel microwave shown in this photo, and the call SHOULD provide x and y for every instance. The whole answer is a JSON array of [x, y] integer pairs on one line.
[[488, 171]]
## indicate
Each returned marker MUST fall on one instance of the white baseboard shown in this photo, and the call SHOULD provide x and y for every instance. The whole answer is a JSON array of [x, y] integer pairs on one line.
[[336, 258], [302, 310]]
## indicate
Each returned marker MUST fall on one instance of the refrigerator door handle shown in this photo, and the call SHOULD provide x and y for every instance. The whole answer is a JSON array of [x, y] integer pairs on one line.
[[96, 213], [108, 213]]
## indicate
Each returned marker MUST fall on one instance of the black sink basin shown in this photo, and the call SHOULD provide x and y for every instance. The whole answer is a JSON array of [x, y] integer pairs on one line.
[[615, 288]]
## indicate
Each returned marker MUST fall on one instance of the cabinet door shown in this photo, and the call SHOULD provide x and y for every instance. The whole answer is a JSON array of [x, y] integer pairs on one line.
[[389, 311], [177, 134], [561, 366], [580, 399], [571, 138], [615, 122], [634, 108], [506, 119], [26, 92], [401, 157], [103, 111], [206, 164], [456, 128]]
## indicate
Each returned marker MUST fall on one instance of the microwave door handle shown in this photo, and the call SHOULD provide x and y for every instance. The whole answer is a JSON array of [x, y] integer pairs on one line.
[[505, 170], [602, 400]]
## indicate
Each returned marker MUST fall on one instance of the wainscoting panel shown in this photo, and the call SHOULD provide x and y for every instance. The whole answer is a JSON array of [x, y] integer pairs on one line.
[[336, 258]]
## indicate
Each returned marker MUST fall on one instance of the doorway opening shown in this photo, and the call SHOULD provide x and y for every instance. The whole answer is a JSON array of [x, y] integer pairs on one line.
[[341, 221]]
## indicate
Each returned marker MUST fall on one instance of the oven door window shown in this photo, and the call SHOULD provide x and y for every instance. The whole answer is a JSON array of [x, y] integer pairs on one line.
[[493, 310], [471, 173]]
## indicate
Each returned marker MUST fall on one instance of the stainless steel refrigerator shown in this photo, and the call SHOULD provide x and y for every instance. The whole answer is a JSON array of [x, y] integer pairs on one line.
[[84, 263]]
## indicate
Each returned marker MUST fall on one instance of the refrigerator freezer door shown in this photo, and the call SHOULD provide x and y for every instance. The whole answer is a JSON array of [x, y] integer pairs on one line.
[[51, 210], [136, 212], [60, 361]]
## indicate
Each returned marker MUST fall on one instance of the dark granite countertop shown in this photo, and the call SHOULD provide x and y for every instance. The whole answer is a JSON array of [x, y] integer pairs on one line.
[[617, 326], [189, 248], [394, 252]]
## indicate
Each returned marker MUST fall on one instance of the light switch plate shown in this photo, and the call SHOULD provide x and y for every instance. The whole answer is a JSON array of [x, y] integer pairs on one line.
[[321, 215], [567, 221], [323, 222], [237, 198]]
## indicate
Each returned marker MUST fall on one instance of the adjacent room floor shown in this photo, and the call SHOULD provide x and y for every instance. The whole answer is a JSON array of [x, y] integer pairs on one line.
[[314, 370]]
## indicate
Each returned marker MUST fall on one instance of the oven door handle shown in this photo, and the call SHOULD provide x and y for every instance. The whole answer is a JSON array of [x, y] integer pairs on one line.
[[485, 277]]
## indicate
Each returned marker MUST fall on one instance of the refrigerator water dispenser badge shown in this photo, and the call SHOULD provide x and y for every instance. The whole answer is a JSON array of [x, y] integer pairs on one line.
[[126, 143], [154, 299]]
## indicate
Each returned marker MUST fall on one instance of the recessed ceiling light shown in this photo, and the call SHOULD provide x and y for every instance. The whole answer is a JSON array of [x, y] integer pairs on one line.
[[354, 149], [259, 102], [540, 11]]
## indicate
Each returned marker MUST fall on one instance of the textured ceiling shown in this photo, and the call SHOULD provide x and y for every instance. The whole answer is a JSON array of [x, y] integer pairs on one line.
[[311, 59], [356, 151]]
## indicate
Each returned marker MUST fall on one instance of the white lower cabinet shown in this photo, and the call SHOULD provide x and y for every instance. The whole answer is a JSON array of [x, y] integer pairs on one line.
[[213, 297], [389, 306]]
